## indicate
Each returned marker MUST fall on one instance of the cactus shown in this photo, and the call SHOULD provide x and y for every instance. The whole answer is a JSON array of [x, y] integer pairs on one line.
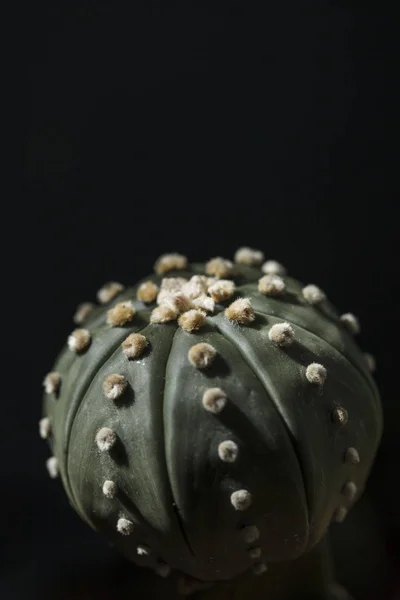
[[214, 419]]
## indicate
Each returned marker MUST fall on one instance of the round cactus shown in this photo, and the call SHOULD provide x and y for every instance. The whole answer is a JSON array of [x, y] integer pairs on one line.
[[213, 419]]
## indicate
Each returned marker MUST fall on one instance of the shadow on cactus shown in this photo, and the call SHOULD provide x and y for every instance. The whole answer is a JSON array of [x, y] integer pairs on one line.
[[214, 419]]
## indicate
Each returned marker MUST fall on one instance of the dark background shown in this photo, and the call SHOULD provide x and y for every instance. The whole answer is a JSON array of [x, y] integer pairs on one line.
[[199, 127]]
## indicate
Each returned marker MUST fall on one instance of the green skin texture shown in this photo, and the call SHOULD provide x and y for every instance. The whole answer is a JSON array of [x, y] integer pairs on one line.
[[172, 484]]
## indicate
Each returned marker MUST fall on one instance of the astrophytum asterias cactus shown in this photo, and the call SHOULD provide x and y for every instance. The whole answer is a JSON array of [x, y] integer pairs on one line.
[[214, 418]]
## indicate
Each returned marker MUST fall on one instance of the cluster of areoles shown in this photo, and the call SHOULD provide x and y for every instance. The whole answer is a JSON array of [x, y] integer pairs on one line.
[[349, 490], [214, 401], [106, 439], [188, 302]]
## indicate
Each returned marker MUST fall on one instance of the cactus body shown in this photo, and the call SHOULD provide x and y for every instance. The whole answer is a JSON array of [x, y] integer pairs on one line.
[[221, 440]]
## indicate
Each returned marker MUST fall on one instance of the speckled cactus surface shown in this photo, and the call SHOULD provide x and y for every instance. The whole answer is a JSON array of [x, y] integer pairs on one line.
[[213, 419]]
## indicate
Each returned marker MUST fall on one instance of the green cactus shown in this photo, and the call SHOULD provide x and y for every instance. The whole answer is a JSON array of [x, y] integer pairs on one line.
[[214, 419]]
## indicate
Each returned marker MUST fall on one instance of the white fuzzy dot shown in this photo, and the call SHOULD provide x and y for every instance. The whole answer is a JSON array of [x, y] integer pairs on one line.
[[120, 314], [350, 490], [202, 355], [240, 311], [170, 262], [352, 456], [114, 385], [52, 382], [82, 312], [108, 291], [195, 287], [52, 467], [163, 314], [241, 499], [177, 302], [254, 552], [110, 489], [271, 285], [313, 294], [192, 320], [340, 514], [214, 400], [340, 416], [143, 550], [125, 526], [220, 267], [79, 340], [316, 374], [147, 292], [259, 568], [272, 267], [250, 533], [162, 569], [281, 334], [44, 428], [222, 290], [170, 285], [248, 256], [204, 302], [371, 363], [351, 323], [134, 345], [105, 439], [228, 451]]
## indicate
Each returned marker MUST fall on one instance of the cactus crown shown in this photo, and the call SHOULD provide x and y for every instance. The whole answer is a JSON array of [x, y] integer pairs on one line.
[[213, 418]]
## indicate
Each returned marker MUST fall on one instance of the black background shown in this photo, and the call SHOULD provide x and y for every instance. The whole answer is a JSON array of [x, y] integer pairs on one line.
[[199, 127]]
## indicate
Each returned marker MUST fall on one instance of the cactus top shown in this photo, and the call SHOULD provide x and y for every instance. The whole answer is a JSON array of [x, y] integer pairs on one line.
[[217, 415]]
